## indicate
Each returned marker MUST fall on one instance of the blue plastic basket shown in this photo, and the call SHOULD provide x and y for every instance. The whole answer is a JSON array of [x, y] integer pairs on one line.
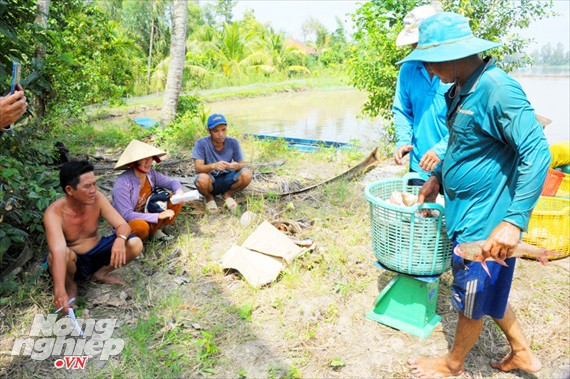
[[402, 240]]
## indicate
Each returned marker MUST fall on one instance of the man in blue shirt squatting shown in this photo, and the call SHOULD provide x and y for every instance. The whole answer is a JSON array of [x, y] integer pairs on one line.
[[492, 176], [218, 162], [419, 105]]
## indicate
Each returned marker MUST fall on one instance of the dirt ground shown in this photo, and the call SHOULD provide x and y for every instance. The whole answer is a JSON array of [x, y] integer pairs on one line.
[[182, 316]]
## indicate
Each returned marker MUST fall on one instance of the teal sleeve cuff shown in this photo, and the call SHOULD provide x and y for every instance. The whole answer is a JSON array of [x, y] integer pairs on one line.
[[519, 221], [441, 147]]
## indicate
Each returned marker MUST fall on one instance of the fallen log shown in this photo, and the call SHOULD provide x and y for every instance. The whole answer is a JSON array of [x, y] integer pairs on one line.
[[368, 162]]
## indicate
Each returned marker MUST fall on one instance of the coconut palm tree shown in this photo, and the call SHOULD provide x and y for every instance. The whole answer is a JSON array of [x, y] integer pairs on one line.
[[235, 51], [176, 66], [240, 49], [285, 57]]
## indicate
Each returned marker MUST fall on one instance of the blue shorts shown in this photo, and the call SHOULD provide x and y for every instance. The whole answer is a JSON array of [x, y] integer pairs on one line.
[[415, 182], [100, 255], [474, 293], [223, 182]]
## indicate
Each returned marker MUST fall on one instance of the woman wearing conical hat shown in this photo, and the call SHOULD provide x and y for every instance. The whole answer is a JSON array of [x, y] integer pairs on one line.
[[134, 187]]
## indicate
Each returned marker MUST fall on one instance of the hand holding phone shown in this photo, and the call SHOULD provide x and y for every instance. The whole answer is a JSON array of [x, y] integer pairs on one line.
[[14, 105], [16, 73]]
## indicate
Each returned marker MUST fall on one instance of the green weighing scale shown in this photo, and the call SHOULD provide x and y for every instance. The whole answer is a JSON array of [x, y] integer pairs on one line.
[[408, 304], [416, 248]]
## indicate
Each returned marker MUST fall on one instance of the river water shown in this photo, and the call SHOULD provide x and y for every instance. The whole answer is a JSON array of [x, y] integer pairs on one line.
[[550, 97], [334, 115], [331, 115]]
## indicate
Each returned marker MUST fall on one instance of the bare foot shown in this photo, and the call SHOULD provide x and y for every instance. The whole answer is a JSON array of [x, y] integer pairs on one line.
[[434, 367], [107, 278], [525, 361]]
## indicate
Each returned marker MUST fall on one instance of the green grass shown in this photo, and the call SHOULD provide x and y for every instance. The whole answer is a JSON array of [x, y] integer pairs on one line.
[[207, 353], [245, 312], [278, 372], [75, 135]]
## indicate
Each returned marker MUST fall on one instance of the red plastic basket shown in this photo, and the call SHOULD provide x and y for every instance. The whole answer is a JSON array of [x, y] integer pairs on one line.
[[552, 182]]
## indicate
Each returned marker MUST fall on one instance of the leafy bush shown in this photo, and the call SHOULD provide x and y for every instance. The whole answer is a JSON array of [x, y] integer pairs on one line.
[[89, 57], [27, 187], [91, 60], [179, 136], [190, 104]]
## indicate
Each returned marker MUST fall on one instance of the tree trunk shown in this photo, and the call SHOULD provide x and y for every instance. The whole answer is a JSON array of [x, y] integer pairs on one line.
[[176, 66], [39, 101], [150, 52]]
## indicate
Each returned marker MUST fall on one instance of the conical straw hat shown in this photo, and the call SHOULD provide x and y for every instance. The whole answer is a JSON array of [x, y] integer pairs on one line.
[[135, 151]]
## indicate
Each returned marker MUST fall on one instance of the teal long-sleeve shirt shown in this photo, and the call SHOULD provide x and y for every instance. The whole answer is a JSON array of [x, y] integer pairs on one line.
[[419, 112], [497, 157]]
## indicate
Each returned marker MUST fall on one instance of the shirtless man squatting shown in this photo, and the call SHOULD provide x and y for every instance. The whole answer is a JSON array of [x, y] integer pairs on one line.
[[76, 249]]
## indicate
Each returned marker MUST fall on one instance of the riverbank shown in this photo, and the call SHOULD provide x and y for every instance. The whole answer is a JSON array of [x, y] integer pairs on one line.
[[543, 71], [154, 101]]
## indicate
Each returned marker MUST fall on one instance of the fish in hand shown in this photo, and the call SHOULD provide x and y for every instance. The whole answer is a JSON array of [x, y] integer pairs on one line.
[[472, 252]]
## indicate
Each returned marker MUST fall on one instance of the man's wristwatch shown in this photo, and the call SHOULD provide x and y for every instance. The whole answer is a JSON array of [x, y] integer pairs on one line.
[[122, 236]]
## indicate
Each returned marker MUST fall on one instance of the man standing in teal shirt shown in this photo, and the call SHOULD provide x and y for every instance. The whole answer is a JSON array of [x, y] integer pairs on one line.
[[419, 105], [492, 176]]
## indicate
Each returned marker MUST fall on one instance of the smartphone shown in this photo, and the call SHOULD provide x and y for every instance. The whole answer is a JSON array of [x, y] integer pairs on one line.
[[16, 71]]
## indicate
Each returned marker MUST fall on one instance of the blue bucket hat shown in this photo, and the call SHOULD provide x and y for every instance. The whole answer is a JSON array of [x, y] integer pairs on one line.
[[446, 37], [215, 120]]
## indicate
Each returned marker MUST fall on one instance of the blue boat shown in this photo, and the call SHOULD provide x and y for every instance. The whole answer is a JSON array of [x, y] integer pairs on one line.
[[304, 144]]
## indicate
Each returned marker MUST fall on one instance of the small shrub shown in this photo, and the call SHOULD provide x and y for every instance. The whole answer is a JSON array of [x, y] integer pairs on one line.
[[277, 372], [190, 104], [245, 312], [337, 363], [207, 355], [180, 135], [27, 187]]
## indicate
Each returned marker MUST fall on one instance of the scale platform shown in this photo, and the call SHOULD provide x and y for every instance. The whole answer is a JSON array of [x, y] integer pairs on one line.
[[408, 304]]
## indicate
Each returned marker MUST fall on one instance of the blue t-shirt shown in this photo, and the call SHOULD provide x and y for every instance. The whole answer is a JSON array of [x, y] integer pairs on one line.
[[204, 149], [497, 156], [419, 112]]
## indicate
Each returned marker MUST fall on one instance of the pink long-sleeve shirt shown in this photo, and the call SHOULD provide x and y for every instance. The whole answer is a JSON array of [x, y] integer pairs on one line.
[[126, 193]]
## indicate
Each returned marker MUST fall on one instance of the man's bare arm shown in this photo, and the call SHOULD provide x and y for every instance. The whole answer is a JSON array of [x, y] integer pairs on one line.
[[110, 214], [58, 249]]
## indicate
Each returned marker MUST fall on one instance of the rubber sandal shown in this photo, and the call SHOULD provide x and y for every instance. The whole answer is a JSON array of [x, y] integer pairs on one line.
[[211, 206], [231, 204]]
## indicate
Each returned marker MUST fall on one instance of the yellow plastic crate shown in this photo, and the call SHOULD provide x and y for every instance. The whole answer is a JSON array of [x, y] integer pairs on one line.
[[549, 226], [564, 189]]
